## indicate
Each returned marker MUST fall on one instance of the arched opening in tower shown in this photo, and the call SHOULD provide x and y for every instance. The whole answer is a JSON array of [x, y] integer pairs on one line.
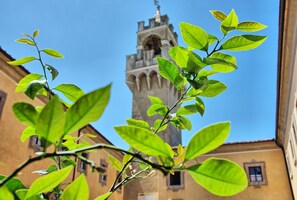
[[153, 42]]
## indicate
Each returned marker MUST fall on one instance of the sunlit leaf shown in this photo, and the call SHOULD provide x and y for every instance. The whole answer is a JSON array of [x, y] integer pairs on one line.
[[167, 69], [117, 165], [194, 36], [139, 123], [27, 133], [26, 113], [243, 43], [218, 15], [50, 124], [185, 123], [143, 140], [212, 39], [22, 61], [26, 41], [157, 109], [219, 176], [77, 190], [48, 182], [230, 22], [24, 82], [200, 106], [36, 33], [71, 91], [207, 139], [187, 110], [87, 109], [53, 53], [222, 62], [104, 196], [214, 88], [157, 125], [155, 100], [52, 70], [250, 26], [5, 194]]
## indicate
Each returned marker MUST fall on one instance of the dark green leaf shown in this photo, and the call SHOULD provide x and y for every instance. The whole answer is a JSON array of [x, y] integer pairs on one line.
[[26, 113], [26, 41], [22, 61], [250, 26], [34, 87], [53, 53], [13, 184], [167, 69], [48, 182], [24, 82], [87, 109], [71, 91], [207, 139], [143, 140], [52, 70], [219, 176], [214, 88], [194, 36], [243, 43], [218, 15], [77, 190], [139, 123], [50, 124]]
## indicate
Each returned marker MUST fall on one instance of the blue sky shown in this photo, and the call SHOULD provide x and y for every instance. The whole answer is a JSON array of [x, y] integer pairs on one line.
[[95, 36]]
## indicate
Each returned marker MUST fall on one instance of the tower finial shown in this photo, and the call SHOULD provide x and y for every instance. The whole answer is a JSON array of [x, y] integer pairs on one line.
[[158, 13]]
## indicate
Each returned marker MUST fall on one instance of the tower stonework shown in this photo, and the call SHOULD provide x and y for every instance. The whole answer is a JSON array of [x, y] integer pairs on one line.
[[142, 74]]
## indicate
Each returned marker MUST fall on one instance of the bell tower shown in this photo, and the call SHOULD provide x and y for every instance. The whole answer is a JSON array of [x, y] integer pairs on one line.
[[142, 74]]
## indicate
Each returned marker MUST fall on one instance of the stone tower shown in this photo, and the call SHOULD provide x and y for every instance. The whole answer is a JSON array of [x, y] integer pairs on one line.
[[142, 74]]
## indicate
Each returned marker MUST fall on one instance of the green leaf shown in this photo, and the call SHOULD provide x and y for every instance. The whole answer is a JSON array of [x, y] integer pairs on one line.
[[5, 194], [24, 82], [212, 39], [50, 124], [71, 91], [218, 15], [179, 82], [155, 100], [230, 22], [206, 73], [243, 43], [214, 88], [52, 168], [77, 190], [187, 110], [117, 165], [167, 69], [27, 133], [87, 109], [250, 26], [200, 106], [199, 84], [48, 182], [36, 33], [26, 41], [222, 62], [13, 184], [207, 139], [219, 176], [52, 70], [194, 36], [21, 193], [26, 113], [139, 123], [104, 196], [53, 53], [22, 61], [143, 140], [157, 125], [184, 123], [157, 109], [34, 87]]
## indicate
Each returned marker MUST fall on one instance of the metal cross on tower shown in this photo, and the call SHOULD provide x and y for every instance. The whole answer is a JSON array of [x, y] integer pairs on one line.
[[157, 4]]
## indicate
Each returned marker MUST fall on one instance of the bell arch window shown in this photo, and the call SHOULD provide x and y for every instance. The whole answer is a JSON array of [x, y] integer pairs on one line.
[[153, 42]]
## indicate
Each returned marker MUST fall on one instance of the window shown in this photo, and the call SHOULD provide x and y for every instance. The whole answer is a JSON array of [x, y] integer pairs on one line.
[[256, 173], [143, 196], [103, 175], [82, 165], [175, 181], [35, 143], [2, 101]]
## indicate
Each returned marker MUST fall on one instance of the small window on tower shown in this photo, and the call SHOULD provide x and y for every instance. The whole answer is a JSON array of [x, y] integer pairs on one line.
[[103, 175], [153, 42], [256, 173], [82, 165], [175, 181]]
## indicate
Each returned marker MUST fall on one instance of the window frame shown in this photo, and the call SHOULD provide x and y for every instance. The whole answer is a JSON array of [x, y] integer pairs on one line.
[[3, 96], [104, 166], [175, 187], [82, 165], [254, 164]]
